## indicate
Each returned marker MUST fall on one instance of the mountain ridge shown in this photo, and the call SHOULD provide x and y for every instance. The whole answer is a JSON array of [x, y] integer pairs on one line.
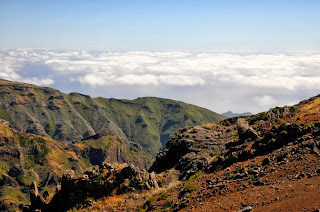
[[45, 111], [230, 114]]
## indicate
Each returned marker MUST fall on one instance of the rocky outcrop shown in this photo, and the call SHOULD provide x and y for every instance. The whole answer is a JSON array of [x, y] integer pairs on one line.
[[98, 182], [191, 149], [212, 147], [106, 146], [28, 157], [245, 131]]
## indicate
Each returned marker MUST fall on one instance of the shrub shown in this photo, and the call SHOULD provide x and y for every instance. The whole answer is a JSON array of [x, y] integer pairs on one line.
[[190, 184], [231, 176], [163, 195], [147, 204]]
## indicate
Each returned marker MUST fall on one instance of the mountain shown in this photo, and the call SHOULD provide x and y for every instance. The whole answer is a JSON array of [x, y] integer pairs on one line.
[[25, 158], [264, 162], [149, 121], [230, 114]]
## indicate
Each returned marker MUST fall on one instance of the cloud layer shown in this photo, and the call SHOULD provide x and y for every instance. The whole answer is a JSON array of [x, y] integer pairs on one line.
[[264, 73]]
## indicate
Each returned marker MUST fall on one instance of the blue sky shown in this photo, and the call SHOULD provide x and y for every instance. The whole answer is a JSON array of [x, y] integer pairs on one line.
[[237, 55], [281, 25]]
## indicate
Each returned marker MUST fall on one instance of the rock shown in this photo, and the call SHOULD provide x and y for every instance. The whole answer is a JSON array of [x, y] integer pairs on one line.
[[51, 179], [245, 131], [16, 171], [266, 161], [152, 180], [36, 201], [96, 182], [46, 196], [246, 209], [8, 181]]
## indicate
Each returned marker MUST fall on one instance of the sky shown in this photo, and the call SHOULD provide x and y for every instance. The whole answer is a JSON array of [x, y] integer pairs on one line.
[[223, 55]]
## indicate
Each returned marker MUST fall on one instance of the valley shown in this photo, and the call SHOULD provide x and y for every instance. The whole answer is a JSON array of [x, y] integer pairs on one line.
[[266, 161]]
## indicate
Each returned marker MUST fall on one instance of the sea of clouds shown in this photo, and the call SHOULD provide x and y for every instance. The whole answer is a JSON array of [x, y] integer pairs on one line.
[[238, 81]]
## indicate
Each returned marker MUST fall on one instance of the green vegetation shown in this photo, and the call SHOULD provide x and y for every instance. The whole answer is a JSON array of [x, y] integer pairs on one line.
[[15, 196], [254, 119], [272, 140], [260, 139], [149, 121], [231, 176], [144, 207], [219, 168], [133, 153], [50, 128], [163, 195], [101, 143], [236, 134], [3, 114], [145, 180], [190, 184]]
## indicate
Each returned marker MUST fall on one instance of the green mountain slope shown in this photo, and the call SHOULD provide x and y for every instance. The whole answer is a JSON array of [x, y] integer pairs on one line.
[[152, 121], [45, 111], [25, 158]]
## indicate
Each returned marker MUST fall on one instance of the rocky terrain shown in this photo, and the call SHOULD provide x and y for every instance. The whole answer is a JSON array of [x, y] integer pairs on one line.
[[264, 162], [27, 158], [100, 181], [71, 117]]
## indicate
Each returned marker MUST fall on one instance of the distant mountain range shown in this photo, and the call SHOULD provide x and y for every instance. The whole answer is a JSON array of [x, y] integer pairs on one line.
[[231, 114], [149, 121]]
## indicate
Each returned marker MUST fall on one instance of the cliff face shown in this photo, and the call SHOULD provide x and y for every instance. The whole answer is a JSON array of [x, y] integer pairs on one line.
[[25, 158], [70, 117]]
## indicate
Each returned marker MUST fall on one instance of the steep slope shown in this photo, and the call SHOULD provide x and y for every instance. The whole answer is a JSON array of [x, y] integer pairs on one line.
[[48, 112], [25, 158], [264, 162], [269, 161], [70, 117], [152, 121]]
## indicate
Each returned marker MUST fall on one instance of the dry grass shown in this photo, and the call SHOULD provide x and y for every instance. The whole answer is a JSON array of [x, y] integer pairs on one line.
[[310, 107], [110, 201]]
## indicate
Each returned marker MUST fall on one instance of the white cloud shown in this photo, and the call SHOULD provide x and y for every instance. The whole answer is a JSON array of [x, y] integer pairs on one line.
[[289, 71], [181, 80], [261, 75], [265, 100], [37, 81], [133, 79]]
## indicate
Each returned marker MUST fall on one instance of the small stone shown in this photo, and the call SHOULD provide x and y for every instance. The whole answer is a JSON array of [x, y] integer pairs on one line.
[[246, 209]]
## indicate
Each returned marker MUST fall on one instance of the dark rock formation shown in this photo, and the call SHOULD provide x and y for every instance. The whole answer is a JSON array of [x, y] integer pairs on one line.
[[98, 182], [245, 131]]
